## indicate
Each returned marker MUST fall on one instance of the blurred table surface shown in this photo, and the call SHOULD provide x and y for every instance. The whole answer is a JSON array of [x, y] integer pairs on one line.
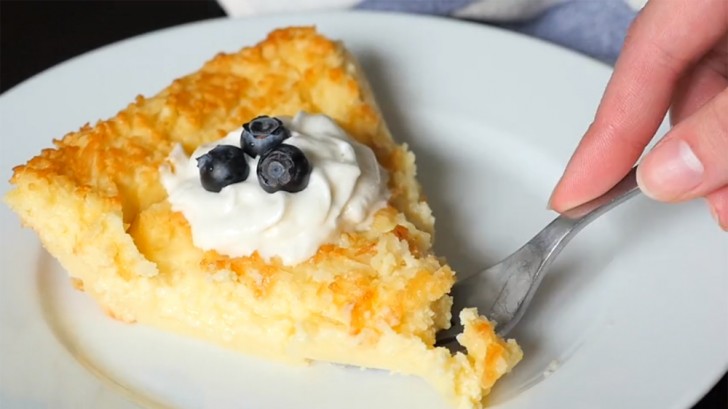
[[35, 35]]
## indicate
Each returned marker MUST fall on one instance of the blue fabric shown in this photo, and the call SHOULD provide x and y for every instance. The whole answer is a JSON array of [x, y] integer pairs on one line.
[[594, 27], [437, 7]]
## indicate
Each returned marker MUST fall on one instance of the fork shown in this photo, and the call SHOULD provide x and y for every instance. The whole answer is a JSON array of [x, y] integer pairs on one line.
[[503, 291]]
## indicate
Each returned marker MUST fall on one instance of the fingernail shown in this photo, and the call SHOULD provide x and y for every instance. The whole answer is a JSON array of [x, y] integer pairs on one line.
[[550, 203], [716, 217], [714, 213], [670, 170], [549, 206]]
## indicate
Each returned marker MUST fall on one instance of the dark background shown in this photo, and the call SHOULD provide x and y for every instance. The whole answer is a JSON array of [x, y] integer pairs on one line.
[[35, 35]]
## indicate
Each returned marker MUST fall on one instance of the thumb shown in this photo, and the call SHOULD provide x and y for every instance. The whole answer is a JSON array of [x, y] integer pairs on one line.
[[692, 160]]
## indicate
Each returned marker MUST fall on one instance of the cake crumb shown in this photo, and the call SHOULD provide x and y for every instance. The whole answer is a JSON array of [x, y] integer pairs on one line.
[[551, 368]]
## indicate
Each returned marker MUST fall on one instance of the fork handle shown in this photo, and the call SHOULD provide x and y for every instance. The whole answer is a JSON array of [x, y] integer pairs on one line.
[[558, 233], [623, 190], [549, 242], [517, 277]]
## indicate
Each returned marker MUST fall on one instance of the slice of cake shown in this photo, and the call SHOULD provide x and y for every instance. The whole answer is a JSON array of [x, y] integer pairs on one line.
[[333, 263]]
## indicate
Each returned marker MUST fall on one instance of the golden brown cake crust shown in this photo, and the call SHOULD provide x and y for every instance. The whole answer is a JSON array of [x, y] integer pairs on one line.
[[293, 69]]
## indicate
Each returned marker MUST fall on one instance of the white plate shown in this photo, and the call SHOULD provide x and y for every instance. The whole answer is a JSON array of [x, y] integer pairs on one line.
[[633, 314]]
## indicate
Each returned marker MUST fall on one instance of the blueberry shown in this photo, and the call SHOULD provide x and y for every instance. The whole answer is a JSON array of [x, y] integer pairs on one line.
[[262, 134], [284, 167], [222, 166]]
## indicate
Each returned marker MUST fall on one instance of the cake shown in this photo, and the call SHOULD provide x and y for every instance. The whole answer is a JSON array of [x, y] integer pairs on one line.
[[373, 297]]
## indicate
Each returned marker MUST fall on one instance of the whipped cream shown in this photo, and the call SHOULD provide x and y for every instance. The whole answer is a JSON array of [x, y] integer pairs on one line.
[[345, 188]]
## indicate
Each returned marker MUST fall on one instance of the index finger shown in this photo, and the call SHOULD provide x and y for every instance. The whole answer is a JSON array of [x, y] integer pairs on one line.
[[666, 39]]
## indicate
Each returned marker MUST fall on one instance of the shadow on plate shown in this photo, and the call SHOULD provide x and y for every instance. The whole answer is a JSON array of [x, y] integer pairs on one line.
[[433, 174]]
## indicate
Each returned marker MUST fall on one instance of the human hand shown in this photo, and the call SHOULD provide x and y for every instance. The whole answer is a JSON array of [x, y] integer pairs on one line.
[[675, 57]]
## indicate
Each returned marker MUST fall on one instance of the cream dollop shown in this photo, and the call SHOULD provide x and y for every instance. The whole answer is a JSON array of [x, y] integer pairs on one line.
[[345, 188]]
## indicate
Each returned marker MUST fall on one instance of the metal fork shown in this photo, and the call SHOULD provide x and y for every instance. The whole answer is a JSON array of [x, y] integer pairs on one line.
[[503, 291]]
